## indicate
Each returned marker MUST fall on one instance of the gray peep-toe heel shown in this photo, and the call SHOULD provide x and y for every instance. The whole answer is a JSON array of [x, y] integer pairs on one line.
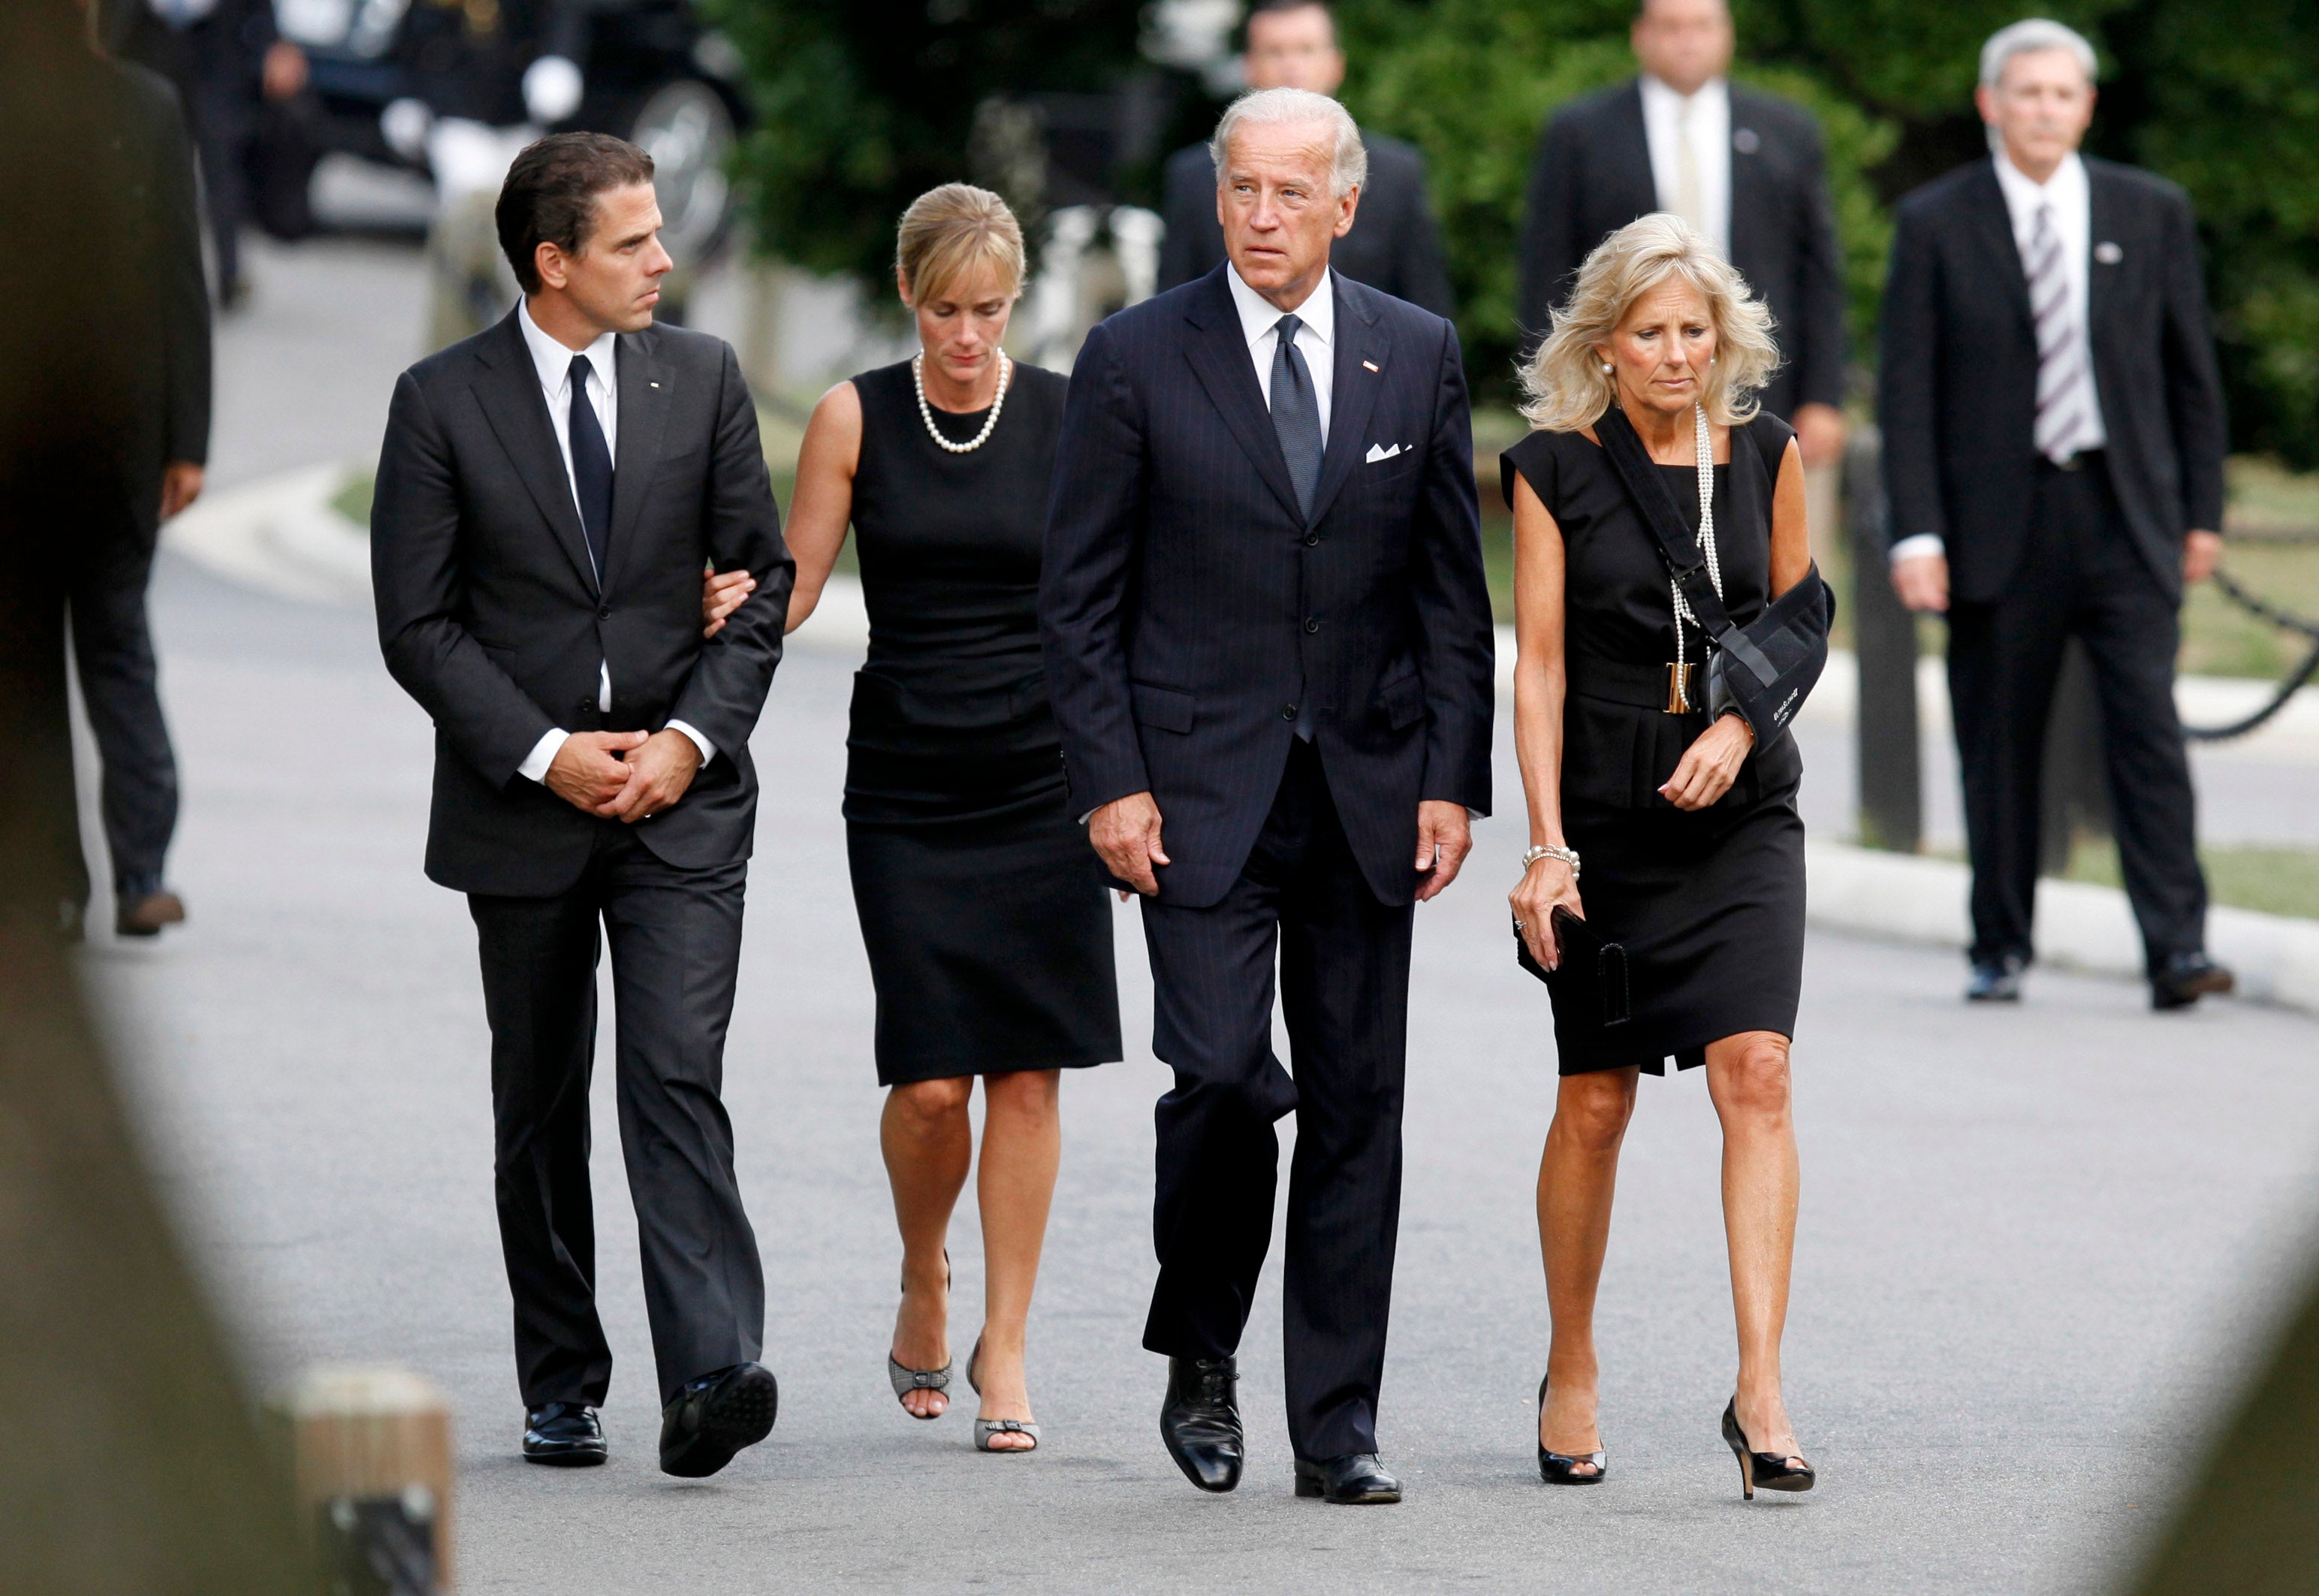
[[905, 1379], [985, 1430]]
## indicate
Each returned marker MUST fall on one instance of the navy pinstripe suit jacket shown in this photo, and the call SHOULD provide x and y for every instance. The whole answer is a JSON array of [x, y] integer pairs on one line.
[[1189, 610]]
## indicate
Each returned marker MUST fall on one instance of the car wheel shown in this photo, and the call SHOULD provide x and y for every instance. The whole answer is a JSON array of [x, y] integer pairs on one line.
[[684, 126]]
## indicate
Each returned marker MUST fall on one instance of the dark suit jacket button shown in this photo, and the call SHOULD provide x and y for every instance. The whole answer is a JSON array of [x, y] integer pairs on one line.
[[1288, 712], [1311, 624], [605, 613], [1311, 538]]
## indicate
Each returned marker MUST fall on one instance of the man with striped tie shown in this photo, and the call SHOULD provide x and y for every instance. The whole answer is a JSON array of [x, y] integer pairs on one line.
[[2053, 443]]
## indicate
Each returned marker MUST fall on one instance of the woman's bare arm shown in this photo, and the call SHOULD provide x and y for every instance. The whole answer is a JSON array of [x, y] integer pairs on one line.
[[823, 505], [1541, 685], [1792, 553]]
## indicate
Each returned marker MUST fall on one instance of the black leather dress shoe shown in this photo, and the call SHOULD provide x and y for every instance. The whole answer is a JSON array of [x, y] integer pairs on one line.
[[1998, 981], [563, 1435], [1200, 1420], [715, 1417], [1355, 1480], [2186, 978]]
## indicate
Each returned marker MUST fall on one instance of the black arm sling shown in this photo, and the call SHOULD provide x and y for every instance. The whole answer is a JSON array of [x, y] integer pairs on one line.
[[1764, 670]]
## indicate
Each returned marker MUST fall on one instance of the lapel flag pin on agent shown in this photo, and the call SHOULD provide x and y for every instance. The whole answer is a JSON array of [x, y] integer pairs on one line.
[[2108, 253]]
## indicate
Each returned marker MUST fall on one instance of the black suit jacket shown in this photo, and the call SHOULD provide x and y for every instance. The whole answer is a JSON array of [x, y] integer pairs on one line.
[[223, 48], [1957, 397], [1392, 245], [1591, 176], [490, 615], [1187, 609]]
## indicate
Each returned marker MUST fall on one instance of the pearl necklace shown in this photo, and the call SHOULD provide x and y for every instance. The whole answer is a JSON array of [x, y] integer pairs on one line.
[[1704, 454], [927, 414]]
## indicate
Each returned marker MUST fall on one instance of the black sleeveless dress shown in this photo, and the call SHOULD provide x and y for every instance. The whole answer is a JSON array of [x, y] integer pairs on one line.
[[989, 939], [1710, 904]]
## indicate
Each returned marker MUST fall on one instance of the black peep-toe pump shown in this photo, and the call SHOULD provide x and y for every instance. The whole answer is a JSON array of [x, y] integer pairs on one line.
[[1770, 1470], [1560, 1468]]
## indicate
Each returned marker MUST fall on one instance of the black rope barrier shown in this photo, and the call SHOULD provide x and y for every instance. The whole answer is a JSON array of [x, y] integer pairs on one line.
[[2286, 621]]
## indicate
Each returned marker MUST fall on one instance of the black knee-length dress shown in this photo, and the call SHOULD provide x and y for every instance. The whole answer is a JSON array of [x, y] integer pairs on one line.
[[989, 938], [1709, 903]]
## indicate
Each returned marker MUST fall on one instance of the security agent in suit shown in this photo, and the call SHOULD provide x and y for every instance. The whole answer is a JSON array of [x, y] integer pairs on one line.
[[1743, 167], [162, 444], [548, 493], [1266, 631], [2053, 444], [220, 54], [1393, 246]]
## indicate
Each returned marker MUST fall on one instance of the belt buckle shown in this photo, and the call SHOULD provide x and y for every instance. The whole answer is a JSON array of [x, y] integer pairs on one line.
[[1680, 682]]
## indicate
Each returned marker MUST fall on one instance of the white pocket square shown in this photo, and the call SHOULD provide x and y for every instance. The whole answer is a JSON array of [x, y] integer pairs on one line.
[[1379, 452]]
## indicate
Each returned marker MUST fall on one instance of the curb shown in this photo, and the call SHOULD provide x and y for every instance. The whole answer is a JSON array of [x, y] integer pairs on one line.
[[1905, 897]]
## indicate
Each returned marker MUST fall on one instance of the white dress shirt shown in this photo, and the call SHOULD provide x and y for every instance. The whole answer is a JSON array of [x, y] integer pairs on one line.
[[553, 362], [2071, 197], [1701, 121], [1316, 334]]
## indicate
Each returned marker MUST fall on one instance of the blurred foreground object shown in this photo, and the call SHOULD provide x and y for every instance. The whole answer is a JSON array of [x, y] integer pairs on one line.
[[132, 1462], [370, 1448], [2247, 1526]]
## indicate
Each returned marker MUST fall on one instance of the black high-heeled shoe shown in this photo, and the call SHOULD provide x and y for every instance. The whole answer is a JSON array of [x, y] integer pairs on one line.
[[1558, 1468], [1770, 1470]]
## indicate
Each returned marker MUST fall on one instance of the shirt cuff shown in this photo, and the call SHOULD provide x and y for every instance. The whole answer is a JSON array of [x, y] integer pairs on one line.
[[1923, 543], [707, 749], [543, 755]]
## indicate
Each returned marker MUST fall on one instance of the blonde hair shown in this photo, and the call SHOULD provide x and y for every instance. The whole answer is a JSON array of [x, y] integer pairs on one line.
[[1564, 387], [950, 231]]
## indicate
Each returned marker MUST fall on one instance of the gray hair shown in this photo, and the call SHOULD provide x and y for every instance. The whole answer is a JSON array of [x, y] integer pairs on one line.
[[2029, 37], [1277, 107]]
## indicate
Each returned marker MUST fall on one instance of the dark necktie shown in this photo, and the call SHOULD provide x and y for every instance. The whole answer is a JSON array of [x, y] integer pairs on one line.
[[592, 467], [1296, 414]]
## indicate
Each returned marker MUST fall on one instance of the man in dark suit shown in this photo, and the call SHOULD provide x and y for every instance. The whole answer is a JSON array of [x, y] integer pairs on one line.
[[1266, 623], [1393, 246], [1744, 168], [220, 54], [548, 493], [2053, 444]]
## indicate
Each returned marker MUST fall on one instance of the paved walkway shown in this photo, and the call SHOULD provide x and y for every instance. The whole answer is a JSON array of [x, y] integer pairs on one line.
[[2032, 1242]]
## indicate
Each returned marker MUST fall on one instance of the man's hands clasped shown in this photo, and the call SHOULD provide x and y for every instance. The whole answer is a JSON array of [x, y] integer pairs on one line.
[[624, 776]]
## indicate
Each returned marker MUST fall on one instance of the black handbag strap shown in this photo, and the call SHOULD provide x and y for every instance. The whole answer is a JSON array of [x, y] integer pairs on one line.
[[1678, 544]]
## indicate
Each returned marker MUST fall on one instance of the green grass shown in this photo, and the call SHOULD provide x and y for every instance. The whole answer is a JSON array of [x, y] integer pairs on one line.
[[2275, 880], [353, 499]]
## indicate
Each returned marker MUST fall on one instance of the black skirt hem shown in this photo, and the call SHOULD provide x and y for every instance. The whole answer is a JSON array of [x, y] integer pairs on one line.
[[1687, 1055], [937, 1070]]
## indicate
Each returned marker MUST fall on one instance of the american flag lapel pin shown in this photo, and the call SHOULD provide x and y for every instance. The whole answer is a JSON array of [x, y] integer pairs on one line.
[[1371, 364]]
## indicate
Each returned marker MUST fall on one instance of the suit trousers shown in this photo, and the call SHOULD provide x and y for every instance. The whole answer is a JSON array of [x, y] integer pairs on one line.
[[1343, 961], [2080, 574], [112, 650], [675, 938]]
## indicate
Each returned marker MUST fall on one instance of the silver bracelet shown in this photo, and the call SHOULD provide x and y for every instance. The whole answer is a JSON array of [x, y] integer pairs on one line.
[[1568, 856]]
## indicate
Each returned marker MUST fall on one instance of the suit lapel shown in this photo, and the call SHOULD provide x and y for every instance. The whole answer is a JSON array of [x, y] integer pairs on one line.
[[1993, 225], [1748, 200], [2104, 217], [1641, 185], [1219, 358], [1360, 361], [644, 384], [508, 392]]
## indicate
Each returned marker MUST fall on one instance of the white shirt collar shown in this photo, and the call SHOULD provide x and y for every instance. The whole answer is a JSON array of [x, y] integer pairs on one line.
[[1258, 315], [2065, 189], [552, 361], [1714, 95]]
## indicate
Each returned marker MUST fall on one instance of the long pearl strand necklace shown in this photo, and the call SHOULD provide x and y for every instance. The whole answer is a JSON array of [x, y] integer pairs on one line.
[[1705, 454], [927, 412]]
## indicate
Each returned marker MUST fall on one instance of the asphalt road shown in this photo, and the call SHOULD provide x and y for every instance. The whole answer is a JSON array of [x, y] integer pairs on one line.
[[2036, 1246]]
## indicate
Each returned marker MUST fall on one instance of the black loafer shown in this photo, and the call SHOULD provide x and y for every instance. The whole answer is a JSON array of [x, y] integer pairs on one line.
[[1199, 1421], [1996, 982], [2185, 978], [1355, 1480], [716, 1416], [563, 1435]]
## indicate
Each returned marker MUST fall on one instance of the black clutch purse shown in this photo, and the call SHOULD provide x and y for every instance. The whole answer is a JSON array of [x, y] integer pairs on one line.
[[1590, 982]]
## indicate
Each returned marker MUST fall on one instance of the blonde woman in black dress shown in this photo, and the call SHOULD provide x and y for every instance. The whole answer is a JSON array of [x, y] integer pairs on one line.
[[989, 934], [1686, 829]]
